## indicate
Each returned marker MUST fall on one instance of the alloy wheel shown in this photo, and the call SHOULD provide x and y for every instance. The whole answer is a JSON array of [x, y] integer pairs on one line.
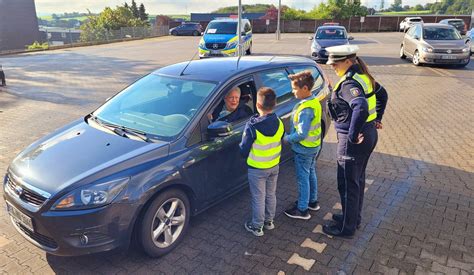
[[168, 222]]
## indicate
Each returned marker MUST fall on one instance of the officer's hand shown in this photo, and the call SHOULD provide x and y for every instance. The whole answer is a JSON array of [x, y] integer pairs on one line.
[[378, 125], [360, 139]]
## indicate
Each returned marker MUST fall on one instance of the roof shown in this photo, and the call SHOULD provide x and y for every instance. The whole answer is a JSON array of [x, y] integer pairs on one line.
[[221, 69], [437, 25], [212, 16], [331, 27]]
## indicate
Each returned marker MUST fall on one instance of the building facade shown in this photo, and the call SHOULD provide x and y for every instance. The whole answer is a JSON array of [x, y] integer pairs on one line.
[[18, 24]]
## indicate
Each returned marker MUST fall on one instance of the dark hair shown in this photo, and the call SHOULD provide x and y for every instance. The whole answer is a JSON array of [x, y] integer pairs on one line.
[[269, 98], [364, 69], [301, 79]]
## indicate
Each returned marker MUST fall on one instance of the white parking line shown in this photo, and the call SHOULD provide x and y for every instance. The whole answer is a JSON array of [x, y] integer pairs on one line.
[[303, 262], [318, 247]]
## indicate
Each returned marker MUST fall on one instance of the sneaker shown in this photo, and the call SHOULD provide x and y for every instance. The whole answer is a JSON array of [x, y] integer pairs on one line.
[[314, 206], [268, 225], [257, 231], [295, 213]]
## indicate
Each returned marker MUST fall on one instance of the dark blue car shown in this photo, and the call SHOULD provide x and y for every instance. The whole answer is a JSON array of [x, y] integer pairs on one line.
[[146, 160], [327, 36], [188, 28]]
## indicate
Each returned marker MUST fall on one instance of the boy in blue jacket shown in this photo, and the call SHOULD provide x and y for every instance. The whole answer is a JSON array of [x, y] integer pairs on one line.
[[261, 145]]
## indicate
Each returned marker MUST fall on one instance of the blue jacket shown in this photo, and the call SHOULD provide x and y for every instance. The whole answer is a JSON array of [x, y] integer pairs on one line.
[[301, 132], [241, 112], [267, 125]]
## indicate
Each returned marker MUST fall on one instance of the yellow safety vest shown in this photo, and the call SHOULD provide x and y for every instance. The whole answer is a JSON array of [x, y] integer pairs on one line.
[[364, 81], [314, 135], [265, 152]]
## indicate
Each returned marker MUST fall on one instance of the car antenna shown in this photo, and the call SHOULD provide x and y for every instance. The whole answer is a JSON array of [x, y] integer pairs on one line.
[[184, 69]]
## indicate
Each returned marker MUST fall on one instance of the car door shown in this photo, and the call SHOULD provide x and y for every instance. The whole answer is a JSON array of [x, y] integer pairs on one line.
[[216, 162], [409, 41]]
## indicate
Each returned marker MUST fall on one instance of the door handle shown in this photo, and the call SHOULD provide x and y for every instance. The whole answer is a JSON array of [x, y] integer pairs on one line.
[[188, 163]]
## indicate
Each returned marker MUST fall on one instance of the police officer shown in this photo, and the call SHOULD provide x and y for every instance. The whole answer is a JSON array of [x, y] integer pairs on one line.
[[353, 107], [2, 77]]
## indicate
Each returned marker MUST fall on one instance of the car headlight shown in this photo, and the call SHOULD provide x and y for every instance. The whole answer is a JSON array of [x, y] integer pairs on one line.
[[465, 50], [232, 44], [427, 49], [316, 47], [201, 43], [91, 196]]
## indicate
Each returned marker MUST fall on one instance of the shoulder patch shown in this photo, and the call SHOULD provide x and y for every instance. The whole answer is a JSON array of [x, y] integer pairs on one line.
[[355, 91]]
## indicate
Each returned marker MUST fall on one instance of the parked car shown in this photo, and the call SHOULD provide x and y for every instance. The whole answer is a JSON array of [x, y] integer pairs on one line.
[[327, 36], [408, 22], [435, 44], [147, 159], [457, 23], [188, 28], [470, 39], [221, 38]]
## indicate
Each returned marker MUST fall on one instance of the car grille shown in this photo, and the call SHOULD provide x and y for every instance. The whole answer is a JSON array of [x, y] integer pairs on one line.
[[41, 239], [446, 51], [27, 195], [215, 46]]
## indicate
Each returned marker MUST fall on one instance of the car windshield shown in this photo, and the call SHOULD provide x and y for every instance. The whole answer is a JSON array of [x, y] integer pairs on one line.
[[457, 23], [222, 28], [157, 105], [433, 33], [331, 34]]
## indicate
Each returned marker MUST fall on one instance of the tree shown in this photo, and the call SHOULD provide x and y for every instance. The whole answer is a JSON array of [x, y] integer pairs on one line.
[[134, 10], [142, 13], [396, 6], [382, 4], [126, 5]]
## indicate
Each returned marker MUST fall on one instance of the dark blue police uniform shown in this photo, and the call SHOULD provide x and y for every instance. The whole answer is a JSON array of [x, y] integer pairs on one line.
[[349, 109]]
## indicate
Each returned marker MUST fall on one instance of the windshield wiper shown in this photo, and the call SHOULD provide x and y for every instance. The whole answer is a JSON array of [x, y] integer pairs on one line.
[[121, 130], [142, 135]]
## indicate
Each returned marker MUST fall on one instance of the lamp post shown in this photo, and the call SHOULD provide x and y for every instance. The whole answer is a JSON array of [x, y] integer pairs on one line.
[[239, 29], [278, 21]]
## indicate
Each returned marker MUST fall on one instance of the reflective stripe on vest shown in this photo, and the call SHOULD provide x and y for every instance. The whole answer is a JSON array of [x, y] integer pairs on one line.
[[265, 152], [364, 81], [314, 135]]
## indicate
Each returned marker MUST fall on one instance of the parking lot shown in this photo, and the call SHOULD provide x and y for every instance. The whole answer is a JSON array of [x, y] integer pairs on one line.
[[419, 203]]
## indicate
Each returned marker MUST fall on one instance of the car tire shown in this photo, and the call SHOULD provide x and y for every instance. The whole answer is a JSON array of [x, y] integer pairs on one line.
[[175, 33], [416, 59], [402, 52], [172, 206], [249, 50], [195, 33]]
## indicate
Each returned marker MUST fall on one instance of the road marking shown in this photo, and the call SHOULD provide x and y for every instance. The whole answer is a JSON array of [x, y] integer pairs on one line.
[[319, 229], [318, 247], [303, 262]]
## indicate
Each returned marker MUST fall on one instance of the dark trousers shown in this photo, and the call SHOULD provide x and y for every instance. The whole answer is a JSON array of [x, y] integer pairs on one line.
[[352, 161], [2, 78]]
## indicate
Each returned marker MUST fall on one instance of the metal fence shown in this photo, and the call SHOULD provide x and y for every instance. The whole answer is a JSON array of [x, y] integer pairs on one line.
[[124, 33]]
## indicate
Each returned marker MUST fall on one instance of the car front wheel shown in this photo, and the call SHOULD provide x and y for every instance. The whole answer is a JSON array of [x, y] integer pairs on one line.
[[164, 223], [416, 58]]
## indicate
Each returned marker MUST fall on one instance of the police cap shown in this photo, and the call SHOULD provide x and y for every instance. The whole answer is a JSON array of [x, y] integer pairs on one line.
[[339, 53]]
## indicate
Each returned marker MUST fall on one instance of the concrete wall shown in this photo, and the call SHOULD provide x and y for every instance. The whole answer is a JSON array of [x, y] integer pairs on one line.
[[18, 24]]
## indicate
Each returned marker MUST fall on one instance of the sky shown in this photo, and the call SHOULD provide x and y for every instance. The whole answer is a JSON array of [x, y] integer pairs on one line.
[[183, 6]]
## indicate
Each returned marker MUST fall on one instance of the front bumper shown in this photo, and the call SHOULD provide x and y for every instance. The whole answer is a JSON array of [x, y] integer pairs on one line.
[[73, 233], [217, 53], [436, 58]]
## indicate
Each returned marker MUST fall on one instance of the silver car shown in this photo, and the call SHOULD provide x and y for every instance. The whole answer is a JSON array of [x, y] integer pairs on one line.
[[435, 44], [470, 39]]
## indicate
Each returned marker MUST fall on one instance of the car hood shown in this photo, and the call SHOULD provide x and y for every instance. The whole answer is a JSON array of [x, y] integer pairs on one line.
[[447, 44], [324, 43], [218, 38], [76, 152]]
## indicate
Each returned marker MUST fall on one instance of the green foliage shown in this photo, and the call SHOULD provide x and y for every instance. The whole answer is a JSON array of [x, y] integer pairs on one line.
[[333, 9], [453, 7], [98, 27], [37, 46], [397, 6], [142, 13], [246, 8], [134, 10]]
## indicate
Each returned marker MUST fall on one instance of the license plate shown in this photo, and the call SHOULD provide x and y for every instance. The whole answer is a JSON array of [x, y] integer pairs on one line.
[[215, 52], [19, 217], [448, 57]]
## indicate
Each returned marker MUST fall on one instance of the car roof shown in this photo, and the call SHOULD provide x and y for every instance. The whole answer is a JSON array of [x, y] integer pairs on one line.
[[331, 28], [228, 20], [413, 17], [437, 25], [453, 19], [222, 69]]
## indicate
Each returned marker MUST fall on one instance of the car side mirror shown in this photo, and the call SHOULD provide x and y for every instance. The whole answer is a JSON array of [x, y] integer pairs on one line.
[[350, 38], [219, 129], [310, 38]]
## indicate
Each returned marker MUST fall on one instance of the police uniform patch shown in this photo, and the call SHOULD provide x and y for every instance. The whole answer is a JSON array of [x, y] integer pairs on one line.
[[355, 91]]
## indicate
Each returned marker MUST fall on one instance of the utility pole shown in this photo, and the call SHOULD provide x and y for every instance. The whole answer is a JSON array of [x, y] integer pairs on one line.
[[239, 29], [278, 20]]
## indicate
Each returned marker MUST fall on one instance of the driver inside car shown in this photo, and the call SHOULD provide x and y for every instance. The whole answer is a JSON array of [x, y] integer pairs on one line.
[[231, 109]]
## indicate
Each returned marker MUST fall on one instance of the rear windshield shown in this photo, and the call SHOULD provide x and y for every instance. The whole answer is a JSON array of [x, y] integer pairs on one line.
[[222, 28], [433, 33], [415, 20], [457, 23], [331, 34]]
